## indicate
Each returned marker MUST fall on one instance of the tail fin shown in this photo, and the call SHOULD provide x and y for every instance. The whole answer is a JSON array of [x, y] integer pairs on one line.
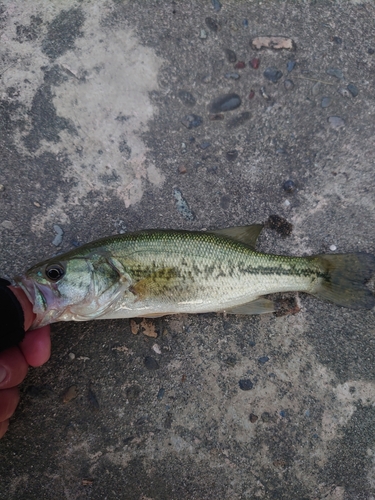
[[342, 279]]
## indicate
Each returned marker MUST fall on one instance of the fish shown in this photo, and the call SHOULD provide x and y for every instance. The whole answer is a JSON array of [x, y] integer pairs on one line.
[[153, 273]]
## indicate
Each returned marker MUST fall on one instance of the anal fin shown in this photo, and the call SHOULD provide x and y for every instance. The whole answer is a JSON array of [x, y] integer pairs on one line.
[[257, 306]]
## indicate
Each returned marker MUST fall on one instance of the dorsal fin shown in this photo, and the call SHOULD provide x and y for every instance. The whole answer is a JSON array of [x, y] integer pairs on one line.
[[244, 234]]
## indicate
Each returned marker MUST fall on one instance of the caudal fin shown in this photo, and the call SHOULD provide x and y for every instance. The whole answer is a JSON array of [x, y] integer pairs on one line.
[[342, 279]]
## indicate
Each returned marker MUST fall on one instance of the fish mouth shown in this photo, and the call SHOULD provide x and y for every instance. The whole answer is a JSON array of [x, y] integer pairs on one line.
[[42, 299]]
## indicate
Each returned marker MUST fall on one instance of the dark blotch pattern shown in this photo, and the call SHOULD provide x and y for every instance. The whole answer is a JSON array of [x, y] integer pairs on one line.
[[62, 33]]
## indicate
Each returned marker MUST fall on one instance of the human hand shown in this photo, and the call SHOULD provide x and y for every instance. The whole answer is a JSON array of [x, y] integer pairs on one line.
[[34, 350]]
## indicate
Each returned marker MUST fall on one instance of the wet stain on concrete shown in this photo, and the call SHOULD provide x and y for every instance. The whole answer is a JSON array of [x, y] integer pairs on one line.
[[45, 121], [63, 32]]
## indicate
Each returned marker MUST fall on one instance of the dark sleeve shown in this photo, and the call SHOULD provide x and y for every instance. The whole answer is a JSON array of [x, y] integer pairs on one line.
[[11, 317]]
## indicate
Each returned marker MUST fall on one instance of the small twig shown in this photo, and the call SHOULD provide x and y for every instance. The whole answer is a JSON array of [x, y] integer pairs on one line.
[[315, 80]]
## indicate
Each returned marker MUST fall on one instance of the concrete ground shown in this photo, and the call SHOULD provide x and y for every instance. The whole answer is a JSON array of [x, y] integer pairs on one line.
[[96, 101]]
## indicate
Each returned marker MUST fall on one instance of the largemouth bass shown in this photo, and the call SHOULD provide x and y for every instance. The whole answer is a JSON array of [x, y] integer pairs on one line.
[[158, 272]]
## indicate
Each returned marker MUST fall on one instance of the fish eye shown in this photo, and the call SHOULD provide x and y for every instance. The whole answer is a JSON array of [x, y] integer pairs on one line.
[[54, 272]]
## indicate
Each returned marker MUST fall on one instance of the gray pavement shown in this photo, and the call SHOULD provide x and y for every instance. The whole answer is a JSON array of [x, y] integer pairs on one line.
[[94, 109]]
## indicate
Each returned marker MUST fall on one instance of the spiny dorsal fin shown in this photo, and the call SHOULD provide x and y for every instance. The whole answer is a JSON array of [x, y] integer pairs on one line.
[[244, 234]]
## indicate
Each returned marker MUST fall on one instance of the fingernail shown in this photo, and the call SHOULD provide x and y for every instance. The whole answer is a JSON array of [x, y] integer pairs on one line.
[[3, 374]]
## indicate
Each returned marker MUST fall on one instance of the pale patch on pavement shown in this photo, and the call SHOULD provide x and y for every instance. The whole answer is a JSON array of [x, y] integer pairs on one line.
[[106, 97]]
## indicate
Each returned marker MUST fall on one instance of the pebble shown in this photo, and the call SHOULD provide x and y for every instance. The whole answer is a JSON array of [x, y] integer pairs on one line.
[[252, 94], [353, 89], [72, 356], [337, 40], [70, 394], [337, 73], [211, 24], [286, 203], [254, 63], [273, 74], [216, 117], [226, 102], [36, 204], [263, 360], [151, 363], [187, 97], [7, 224], [205, 144], [264, 94], [182, 169], [240, 65], [245, 384], [253, 418], [315, 89], [203, 34], [326, 101], [156, 348], [370, 51], [182, 205], [245, 23], [333, 248], [59, 235], [216, 5], [288, 84], [231, 55], [238, 120], [93, 399], [344, 92], [2, 187], [161, 393], [191, 121], [290, 65], [231, 155], [289, 186], [234, 76], [336, 122]]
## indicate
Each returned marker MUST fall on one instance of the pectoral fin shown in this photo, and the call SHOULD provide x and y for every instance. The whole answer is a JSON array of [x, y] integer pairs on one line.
[[257, 306], [244, 234]]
